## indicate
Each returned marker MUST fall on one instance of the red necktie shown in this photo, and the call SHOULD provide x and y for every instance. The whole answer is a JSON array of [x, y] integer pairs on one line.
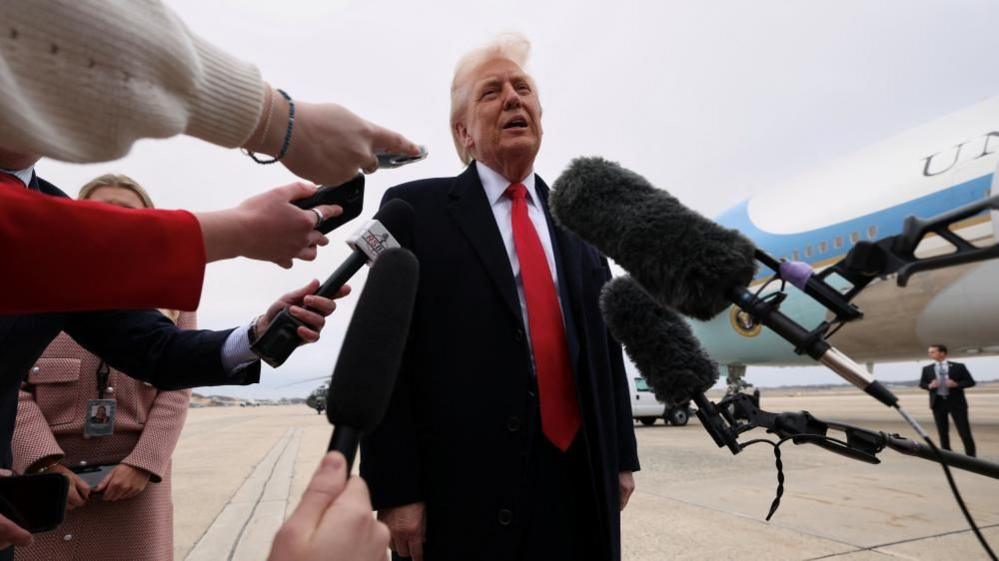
[[559, 409]]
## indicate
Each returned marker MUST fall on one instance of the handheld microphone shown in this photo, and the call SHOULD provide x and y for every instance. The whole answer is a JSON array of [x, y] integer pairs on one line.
[[684, 260], [391, 227], [659, 342], [372, 350]]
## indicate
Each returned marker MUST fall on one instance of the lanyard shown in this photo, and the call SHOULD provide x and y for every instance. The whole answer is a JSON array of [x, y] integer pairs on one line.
[[103, 374]]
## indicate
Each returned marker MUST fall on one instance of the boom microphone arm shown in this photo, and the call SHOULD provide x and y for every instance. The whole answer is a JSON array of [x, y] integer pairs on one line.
[[803, 428], [813, 343], [865, 262], [868, 260], [896, 254]]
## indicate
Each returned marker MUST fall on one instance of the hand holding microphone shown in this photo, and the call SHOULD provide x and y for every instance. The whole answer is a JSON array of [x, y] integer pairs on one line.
[[332, 521], [369, 360], [305, 306], [390, 228]]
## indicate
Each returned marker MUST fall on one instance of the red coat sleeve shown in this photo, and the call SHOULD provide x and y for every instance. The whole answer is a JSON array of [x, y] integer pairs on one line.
[[64, 255]]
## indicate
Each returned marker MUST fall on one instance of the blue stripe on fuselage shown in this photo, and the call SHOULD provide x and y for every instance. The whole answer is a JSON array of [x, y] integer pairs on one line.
[[886, 222]]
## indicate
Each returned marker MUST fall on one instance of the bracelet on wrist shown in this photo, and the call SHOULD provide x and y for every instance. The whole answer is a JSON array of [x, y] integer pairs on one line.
[[268, 112], [287, 134]]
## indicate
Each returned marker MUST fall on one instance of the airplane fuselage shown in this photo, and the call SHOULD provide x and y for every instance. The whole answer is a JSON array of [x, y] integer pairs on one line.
[[818, 217]]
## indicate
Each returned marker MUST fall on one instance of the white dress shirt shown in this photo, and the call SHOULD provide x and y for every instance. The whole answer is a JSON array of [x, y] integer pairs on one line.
[[942, 370], [23, 175], [495, 186]]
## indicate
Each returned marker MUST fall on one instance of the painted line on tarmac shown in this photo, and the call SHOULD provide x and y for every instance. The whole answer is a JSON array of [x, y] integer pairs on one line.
[[759, 520], [874, 548], [250, 514]]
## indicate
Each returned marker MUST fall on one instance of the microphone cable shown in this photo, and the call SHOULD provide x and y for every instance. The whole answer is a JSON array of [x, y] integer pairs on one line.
[[950, 479], [816, 437], [778, 295], [780, 464]]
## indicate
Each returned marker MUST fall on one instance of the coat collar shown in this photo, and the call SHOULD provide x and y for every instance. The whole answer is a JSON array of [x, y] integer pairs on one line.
[[469, 208]]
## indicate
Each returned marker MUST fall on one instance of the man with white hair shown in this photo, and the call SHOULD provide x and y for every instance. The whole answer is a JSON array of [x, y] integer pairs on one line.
[[509, 435]]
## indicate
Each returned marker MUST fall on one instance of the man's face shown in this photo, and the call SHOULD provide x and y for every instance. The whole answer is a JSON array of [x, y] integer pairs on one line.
[[936, 354], [503, 120]]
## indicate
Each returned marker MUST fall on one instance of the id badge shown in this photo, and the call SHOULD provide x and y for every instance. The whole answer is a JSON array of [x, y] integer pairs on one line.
[[100, 418]]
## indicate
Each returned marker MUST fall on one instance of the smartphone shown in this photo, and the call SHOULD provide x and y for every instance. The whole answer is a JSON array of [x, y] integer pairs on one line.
[[36, 503], [93, 475], [394, 160], [349, 196]]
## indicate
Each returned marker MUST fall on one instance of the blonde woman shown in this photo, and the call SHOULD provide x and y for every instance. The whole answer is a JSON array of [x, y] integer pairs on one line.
[[128, 514]]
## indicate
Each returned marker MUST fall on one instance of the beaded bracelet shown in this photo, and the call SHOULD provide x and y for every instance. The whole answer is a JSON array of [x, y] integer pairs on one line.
[[287, 134]]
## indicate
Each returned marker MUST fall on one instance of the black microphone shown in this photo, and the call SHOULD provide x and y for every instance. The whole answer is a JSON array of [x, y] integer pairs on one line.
[[684, 260], [372, 350], [667, 354], [659, 342], [391, 227]]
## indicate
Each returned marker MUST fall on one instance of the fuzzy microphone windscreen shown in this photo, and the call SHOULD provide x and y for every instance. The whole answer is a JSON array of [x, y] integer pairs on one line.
[[658, 340], [684, 260]]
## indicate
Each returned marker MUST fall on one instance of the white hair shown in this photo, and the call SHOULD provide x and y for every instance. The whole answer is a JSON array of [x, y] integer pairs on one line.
[[506, 46]]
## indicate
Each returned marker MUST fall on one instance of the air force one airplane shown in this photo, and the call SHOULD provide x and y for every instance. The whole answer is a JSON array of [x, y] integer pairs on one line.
[[819, 216]]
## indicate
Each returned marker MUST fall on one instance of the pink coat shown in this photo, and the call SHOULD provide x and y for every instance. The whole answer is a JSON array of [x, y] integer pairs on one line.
[[50, 418]]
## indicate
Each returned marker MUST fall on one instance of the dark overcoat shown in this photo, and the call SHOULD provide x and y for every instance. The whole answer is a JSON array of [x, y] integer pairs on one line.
[[460, 431]]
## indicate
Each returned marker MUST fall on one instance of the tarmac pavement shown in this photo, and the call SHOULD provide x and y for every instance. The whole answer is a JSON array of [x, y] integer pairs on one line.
[[238, 472]]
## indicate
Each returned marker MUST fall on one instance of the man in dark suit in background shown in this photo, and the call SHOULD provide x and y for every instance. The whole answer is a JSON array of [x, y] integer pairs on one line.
[[509, 435], [946, 380]]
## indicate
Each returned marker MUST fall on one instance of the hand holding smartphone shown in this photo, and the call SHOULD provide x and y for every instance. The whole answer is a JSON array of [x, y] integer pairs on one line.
[[349, 197], [36, 503], [388, 160]]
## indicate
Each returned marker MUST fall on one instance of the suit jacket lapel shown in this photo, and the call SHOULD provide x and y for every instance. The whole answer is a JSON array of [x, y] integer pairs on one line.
[[568, 262], [470, 209]]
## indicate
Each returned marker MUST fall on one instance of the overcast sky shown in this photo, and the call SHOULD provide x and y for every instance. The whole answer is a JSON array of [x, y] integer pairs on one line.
[[713, 100]]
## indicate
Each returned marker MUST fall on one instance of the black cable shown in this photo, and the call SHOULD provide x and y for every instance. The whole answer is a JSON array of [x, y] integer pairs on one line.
[[815, 437], [959, 499], [780, 464], [780, 473], [950, 478]]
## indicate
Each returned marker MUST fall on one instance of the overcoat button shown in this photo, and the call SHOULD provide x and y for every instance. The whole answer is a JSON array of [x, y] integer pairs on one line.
[[513, 424]]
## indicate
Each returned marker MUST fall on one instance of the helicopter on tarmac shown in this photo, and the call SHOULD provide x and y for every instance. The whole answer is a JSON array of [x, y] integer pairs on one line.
[[317, 399]]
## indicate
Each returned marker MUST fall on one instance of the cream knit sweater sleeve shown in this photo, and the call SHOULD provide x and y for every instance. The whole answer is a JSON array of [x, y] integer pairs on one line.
[[81, 80]]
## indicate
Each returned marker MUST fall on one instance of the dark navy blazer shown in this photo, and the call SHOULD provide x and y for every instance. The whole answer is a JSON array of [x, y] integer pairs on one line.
[[144, 344]]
